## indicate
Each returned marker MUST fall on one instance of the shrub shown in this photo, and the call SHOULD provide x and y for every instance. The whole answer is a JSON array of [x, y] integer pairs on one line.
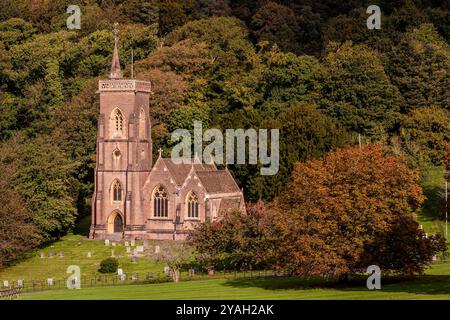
[[109, 265]]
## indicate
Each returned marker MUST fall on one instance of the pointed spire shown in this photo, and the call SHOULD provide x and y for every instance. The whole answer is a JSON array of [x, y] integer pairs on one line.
[[115, 73]]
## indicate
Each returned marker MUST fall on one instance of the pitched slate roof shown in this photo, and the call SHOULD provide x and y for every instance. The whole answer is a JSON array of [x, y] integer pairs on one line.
[[180, 171], [227, 204], [219, 181], [213, 180]]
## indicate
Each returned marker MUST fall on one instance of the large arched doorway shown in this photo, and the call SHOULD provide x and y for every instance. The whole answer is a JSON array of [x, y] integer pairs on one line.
[[115, 223]]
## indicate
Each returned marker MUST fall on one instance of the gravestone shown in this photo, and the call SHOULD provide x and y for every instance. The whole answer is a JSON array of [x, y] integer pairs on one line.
[[157, 249], [42, 255], [106, 242], [50, 282], [133, 243], [50, 254], [149, 275], [6, 284], [128, 249], [191, 272], [123, 277], [140, 248], [112, 254], [61, 254], [134, 276], [127, 243], [145, 243], [113, 244], [20, 283], [134, 260], [119, 272], [167, 270], [434, 257], [89, 255]]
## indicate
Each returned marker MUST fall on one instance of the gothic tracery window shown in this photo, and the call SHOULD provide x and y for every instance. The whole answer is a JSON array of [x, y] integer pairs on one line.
[[118, 122], [160, 202], [192, 203], [117, 191]]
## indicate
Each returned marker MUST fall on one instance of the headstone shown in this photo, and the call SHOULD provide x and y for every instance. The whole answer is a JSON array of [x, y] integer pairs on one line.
[[134, 276], [42, 255], [20, 283], [119, 272], [6, 284], [123, 277], [145, 243], [113, 244], [133, 242], [140, 248], [191, 272], [61, 254], [149, 275], [106, 242], [127, 243], [128, 249], [434, 257], [134, 260], [157, 249], [89, 254], [112, 254], [211, 271], [50, 254], [166, 269], [50, 282]]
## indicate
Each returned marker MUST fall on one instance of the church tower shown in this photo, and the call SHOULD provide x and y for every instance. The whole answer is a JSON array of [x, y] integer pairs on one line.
[[124, 155]]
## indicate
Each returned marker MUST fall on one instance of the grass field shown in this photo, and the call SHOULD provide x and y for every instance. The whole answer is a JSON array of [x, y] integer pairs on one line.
[[433, 183], [75, 249], [434, 285]]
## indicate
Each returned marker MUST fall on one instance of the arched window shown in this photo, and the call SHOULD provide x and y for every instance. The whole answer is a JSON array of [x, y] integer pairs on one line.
[[117, 191], [117, 122], [192, 203], [160, 202]]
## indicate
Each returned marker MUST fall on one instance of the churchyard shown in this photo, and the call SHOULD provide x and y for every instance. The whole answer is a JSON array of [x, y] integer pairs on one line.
[[53, 260], [435, 284]]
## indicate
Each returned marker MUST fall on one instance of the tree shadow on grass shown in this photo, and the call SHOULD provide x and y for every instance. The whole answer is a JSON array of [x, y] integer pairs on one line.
[[425, 285]]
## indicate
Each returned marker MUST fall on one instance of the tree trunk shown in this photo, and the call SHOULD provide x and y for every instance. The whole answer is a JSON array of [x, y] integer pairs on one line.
[[176, 275]]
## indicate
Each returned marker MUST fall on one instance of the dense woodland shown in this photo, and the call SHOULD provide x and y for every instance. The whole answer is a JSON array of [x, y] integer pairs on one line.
[[310, 68]]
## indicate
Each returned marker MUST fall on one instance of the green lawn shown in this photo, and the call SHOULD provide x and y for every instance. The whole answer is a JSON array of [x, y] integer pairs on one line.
[[75, 249], [433, 183], [434, 285]]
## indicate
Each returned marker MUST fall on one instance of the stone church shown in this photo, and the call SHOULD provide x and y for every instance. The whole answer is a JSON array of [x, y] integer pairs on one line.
[[134, 197]]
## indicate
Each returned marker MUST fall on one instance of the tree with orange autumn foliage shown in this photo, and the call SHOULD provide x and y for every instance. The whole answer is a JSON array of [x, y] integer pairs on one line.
[[349, 210]]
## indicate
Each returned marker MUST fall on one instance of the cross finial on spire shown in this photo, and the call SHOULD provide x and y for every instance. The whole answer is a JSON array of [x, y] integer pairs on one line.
[[116, 31], [160, 152], [115, 73]]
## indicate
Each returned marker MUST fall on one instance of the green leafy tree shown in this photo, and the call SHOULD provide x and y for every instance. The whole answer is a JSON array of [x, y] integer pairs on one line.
[[44, 180], [424, 134], [419, 66], [356, 90]]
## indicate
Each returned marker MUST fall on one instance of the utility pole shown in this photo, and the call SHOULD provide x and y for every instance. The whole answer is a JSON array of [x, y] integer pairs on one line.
[[446, 210], [132, 64]]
